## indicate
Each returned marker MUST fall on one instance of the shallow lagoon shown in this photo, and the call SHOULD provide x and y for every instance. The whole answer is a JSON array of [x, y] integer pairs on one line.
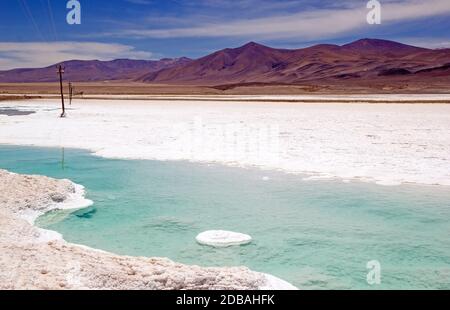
[[314, 234]]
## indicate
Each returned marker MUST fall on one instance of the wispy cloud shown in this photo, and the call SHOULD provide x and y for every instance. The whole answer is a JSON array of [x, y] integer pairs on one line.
[[316, 23], [435, 43], [38, 54], [140, 2]]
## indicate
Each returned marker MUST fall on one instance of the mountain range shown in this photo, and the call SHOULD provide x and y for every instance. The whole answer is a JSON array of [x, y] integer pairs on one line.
[[91, 70], [363, 60]]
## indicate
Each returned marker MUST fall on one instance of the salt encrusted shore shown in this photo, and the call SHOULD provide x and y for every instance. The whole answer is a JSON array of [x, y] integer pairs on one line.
[[389, 144], [33, 258]]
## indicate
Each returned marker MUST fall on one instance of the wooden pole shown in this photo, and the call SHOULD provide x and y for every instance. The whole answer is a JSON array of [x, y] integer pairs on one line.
[[60, 72], [70, 93]]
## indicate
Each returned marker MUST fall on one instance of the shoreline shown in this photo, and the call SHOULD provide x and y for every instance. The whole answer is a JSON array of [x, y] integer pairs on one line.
[[34, 258], [383, 144], [305, 176], [305, 99]]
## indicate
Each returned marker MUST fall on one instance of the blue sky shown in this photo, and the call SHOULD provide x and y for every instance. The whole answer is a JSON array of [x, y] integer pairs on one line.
[[35, 33]]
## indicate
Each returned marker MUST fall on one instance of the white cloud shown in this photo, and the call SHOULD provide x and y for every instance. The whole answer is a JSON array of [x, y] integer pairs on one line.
[[435, 43], [312, 24], [38, 54]]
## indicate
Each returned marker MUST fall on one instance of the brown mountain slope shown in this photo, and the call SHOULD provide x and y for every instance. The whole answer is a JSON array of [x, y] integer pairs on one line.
[[254, 63], [228, 64]]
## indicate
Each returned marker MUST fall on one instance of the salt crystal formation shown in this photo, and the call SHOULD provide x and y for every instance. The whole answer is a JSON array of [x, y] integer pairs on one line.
[[221, 238]]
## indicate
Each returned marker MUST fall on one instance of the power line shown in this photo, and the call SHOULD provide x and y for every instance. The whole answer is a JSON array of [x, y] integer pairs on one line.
[[52, 19], [29, 14], [47, 18]]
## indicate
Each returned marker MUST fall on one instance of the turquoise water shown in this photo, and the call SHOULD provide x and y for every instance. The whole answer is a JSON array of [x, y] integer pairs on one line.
[[314, 234]]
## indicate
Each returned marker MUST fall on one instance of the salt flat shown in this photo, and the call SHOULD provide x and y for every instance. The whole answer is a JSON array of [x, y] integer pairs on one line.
[[385, 143]]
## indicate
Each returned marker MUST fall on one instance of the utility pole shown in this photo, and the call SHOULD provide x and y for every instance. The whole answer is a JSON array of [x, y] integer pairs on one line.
[[61, 72], [70, 93]]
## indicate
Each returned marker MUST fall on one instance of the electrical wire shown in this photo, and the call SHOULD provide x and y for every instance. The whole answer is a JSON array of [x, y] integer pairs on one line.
[[52, 19], [47, 18], [30, 17]]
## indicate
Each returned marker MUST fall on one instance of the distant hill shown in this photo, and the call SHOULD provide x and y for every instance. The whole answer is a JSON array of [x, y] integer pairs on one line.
[[91, 70]]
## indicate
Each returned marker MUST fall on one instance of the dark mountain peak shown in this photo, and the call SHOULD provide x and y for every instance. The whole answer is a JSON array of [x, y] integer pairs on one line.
[[371, 42], [248, 49], [253, 46], [182, 59], [121, 60], [324, 46], [75, 62], [380, 45], [321, 47]]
